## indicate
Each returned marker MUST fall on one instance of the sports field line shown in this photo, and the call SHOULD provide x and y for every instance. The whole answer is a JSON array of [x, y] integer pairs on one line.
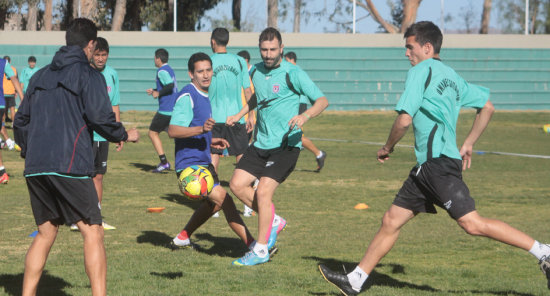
[[410, 146]]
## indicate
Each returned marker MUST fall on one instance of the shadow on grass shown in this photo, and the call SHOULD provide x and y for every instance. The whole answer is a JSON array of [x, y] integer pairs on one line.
[[49, 285], [306, 170], [380, 279], [221, 246], [147, 167], [181, 200], [155, 238], [168, 275]]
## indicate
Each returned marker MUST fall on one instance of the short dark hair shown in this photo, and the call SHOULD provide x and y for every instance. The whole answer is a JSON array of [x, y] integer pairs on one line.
[[102, 44], [162, 54], [291, 55], [221, 36], [425, 32], [197, 57], [80, 32], [269, 34], [7, 58], [244, 54], [31, 59]]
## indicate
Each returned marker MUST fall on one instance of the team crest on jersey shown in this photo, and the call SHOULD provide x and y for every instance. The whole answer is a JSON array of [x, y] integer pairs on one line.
[[276, 88]]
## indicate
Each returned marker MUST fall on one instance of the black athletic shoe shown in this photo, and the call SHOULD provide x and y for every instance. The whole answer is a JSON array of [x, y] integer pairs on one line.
[[321, 160], [339, 280], [545, 267]]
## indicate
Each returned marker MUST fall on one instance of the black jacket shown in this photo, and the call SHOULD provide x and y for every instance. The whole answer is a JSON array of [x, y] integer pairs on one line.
[[64, 102]]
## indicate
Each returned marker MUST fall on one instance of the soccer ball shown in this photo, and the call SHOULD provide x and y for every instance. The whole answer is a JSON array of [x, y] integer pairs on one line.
[[196, 182], [546, 128]]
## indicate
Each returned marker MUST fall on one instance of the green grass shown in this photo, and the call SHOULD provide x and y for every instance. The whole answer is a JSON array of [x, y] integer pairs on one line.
[[433, 256]]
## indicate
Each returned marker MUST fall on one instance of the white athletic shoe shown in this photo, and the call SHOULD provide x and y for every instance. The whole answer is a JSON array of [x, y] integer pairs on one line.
[[247, 212], [74, 227], [216, 215], [10, 143]]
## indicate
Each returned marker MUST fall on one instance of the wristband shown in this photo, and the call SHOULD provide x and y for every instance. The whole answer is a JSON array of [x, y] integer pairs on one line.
[[386, 149], [305, 114]]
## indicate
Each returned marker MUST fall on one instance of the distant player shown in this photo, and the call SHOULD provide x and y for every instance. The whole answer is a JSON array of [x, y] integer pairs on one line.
[[230, 78], [191, 126], [27, 73], [165, 92], [9, 93], [4, 178], [320, 155], [276, 147], [7, 71], [431, 102]]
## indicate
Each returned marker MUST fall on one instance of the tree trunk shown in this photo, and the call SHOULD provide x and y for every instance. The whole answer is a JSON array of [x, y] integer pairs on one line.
[[32, 16], [236, 12], [48, 15], [272, 13], [88, 9], [297, 8], [485, 17], [377, 17], [410, 7], [118, 17]]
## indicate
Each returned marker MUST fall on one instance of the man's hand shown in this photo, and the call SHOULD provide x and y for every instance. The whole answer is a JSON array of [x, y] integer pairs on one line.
[[219, 143], [466, 153], [152, 92], [208, 125], [250, 124], [133, 135], [298, 120], [383, 154], [231, 120], [119, 146]]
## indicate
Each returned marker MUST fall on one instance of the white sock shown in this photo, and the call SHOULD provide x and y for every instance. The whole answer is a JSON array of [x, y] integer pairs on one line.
[[356, 278], [260, 250], [180, 242], [1, 168], [320, 154], [276, 220], [540, 250]]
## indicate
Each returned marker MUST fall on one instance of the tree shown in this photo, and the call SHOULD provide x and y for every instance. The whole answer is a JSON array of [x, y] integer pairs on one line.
[[236, 13], [512, 16], [5, 5], [297, 8], [48, 8], [32, 15], [272, 13], [118, 16], [485, 17]]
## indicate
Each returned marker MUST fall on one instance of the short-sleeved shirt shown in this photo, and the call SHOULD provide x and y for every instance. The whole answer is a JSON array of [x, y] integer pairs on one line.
[[230, 75], [278, 93], [192, 108], [111, 78], [165, 76], [433, 96], [26, 75], [5, 70], [9, 89]]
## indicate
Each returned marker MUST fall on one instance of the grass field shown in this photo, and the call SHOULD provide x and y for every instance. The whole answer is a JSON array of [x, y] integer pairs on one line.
[[432, 257]]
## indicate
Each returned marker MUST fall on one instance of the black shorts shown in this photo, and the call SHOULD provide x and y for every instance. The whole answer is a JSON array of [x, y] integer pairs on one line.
[[236, 136], [63, 200], [101, 153], [212, 170], [2, 111], [437, 181], [302, 108], [160, 122], [10, 102], [276, 164]]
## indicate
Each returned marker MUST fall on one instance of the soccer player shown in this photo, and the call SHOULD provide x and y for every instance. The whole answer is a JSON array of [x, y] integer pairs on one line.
[[101, 146], [276, 147], [27, 73], [9, 93], [320, 155], [191, 126], [58, 169], [166, 93], [229, 78], [10, 80], [433, 96]]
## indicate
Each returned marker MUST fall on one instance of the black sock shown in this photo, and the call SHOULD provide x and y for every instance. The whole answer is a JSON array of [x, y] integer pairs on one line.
[[163, 159]]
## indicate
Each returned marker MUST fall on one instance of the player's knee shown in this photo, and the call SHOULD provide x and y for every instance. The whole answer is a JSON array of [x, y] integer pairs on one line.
[[388, 222], [152, 134], [471, 227]]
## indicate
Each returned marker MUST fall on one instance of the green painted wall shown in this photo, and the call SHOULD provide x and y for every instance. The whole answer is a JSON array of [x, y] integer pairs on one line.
[[353, 78]]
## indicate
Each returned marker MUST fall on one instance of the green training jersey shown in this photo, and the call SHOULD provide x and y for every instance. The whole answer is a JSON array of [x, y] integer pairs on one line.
[[26, 75], [111, 78], [230, 74], [433, 96], [278, 93]]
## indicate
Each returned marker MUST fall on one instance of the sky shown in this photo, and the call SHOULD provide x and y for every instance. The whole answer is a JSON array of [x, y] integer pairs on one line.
[[254, 12]]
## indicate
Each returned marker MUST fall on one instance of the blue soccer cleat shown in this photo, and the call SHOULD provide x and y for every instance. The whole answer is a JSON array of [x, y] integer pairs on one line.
[[250, 258], [275, 230]]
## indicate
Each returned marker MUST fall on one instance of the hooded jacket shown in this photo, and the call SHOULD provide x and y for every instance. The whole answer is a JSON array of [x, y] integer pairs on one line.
[[65, 102]]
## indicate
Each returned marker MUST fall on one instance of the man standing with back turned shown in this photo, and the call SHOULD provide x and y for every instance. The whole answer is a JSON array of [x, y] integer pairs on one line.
[[433, 96], [66, 100]]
